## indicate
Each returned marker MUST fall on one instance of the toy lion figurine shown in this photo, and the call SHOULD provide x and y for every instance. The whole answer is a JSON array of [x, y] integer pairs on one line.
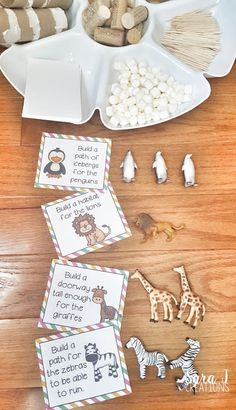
[[152, 228], [84, 225]]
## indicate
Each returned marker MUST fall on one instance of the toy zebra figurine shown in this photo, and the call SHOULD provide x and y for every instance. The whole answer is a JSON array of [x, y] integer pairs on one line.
[[99, 360], [185, 361], [145, 358]]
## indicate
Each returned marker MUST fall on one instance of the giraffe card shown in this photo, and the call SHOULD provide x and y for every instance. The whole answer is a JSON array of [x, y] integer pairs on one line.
[[85, 221], [79, 295], [73, 163], [82, 366]]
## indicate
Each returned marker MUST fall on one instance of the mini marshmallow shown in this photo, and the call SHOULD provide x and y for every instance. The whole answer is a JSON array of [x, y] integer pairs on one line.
[[113, 99], [114, 121], [109, 111], [148, 84], [133, 120], [162, 87]]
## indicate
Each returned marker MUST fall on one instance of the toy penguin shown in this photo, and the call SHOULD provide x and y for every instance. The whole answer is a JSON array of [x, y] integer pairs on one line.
[[188, 169], [55, 168], [129, 167], [160, 168]]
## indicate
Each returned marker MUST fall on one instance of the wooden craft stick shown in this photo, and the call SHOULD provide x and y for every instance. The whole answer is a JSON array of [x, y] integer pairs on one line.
[[134, 35], [119, 7], [109, 36], [38, 4], [134, 17]]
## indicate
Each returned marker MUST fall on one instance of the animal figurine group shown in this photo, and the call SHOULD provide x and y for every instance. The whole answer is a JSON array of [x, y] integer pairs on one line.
[[93, 355], [190, 376], [167, 299], [106, 312], [152, 228], [129, 167], [157, 296], [188, 298], [185, 361], [145, 358]]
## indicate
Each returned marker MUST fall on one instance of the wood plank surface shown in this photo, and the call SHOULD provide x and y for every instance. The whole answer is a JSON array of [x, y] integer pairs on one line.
[[206, 246]]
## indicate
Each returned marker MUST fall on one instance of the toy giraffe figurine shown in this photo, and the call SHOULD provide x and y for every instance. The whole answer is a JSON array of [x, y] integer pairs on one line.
[[157, 296], [188, 298]]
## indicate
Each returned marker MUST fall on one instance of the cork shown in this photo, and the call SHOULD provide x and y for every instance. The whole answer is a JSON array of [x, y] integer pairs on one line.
[[108, 22], [119, 7], [63, 4], [95, 16], [109, 36], [134, 35], [134, 17]]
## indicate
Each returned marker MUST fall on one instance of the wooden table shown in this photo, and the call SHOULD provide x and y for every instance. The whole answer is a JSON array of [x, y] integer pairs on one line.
[[207, 247]]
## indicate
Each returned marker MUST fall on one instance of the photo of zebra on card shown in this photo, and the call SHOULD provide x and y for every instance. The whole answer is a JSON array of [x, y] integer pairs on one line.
[[185, 361], [93, 355]]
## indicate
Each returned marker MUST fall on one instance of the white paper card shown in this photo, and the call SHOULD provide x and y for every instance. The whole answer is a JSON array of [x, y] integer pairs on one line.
[[53, 91]]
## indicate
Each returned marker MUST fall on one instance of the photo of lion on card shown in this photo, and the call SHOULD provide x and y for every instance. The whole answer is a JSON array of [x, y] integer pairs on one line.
[[84, 225]]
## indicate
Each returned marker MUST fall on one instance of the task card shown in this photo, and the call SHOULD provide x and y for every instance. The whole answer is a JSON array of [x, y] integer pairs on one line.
[[84, 222], [79, 295], [82, 367], [73, 163]]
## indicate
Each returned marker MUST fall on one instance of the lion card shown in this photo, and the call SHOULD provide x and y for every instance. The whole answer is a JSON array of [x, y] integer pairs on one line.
[[73, 163], [79, 295], [85, 221]]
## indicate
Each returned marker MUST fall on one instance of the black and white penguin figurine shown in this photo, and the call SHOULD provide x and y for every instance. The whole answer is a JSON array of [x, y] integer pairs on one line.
[[55, 168]]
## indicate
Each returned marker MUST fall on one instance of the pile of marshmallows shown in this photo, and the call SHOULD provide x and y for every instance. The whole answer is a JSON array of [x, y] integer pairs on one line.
[[143, 94]]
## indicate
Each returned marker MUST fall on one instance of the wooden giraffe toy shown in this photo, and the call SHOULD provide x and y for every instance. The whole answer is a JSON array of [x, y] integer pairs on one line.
[[157, 296], [188, 298]]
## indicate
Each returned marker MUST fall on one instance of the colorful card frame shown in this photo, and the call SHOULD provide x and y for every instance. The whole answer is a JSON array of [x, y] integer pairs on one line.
[[53, 326], [90, 400], [87, 249], [45, 135]]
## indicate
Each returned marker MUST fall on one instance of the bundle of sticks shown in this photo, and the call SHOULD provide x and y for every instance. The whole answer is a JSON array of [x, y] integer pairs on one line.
[[194, 38], [28, 20]]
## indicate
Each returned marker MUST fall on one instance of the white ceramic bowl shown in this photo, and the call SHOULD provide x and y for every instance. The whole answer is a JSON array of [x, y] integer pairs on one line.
[[96, 60]]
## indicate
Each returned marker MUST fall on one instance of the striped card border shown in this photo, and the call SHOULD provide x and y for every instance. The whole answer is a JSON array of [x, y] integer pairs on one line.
[[45, 135], [87, 249], [91, 400], [55, 262]]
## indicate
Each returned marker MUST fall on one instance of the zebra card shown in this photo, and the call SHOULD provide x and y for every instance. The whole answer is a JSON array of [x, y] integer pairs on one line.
[[79, 295], [83, 366]]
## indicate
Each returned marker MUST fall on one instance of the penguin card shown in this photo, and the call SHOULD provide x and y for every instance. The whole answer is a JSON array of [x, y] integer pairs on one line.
[[82, 367], [85, 221], [79, 295], [73, 163]]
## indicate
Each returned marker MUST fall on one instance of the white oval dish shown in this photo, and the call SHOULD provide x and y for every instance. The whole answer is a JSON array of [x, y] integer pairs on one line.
[[96, 60]]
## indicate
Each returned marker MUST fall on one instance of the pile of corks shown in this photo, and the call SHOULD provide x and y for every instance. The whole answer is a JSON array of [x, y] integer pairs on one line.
[[115, 22], [28, 20]]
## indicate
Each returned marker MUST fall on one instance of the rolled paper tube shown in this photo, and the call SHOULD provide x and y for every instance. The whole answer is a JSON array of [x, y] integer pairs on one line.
[[134, 35], [15, 4], [109, 36], [119, 7], [134, 17], [20, 26]]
